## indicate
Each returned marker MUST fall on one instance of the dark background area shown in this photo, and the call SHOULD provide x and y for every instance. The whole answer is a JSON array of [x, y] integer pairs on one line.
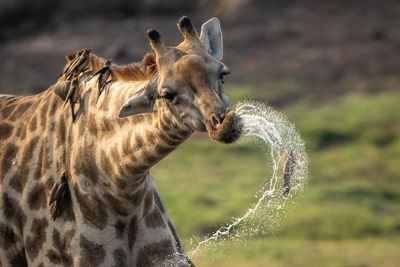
[[324, 47]]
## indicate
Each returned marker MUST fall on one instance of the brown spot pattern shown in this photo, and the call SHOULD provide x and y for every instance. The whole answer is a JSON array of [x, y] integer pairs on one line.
[[184, 133], [33, 124], [46, 162], [38, 171], [18, 260], [132, 232], [92, 254], [107, 125], [91, 209], [148, 202], [5, 112], [51, 124], [49, 184], [167, 120], [16, 184], [5, 130], [162, 150], [139, 143], [126, 144], [28, 151], [154, 219], [169, 140], [165, 127], [150, 137], [119, 229], [21, 108], [120, 183], [137, 197], [119, 258], [7, 236], [69, 148], [21, 131], [106, 163], [43, 114], [115, 155], [34, 242], [155, 254], [82, 125], [115, 204], [136, 169], [86, 163], [149, 157], [18, 180], [104, 104], [10, 151], [175, 137], [132, 157], [138, 118], [60, 253], [13, 212], [92, 124], [37, 197], [60, 130], [53, 105]]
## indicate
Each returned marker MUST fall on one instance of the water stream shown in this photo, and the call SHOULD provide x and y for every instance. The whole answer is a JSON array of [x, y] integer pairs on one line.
[[284, 185]]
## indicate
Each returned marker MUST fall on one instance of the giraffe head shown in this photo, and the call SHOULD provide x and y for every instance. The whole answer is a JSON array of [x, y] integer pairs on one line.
[[190, 81]]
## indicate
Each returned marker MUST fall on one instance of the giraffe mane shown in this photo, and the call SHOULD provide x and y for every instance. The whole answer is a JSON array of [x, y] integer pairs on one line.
[[136, 71], [143, 70]]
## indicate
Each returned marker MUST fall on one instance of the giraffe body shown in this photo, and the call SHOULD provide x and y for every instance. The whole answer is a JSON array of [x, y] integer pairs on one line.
[[99, 229], [114, 216]]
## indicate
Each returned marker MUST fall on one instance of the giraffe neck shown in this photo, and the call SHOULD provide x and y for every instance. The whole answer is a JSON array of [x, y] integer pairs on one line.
[[112, 156], [39, 140]]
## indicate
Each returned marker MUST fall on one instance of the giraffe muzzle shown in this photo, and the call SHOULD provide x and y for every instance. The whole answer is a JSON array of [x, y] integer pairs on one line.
[[226, 128], [216, 119]]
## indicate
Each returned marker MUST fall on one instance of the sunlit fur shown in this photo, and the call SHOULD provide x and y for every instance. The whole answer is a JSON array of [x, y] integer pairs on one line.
[[115, 216]]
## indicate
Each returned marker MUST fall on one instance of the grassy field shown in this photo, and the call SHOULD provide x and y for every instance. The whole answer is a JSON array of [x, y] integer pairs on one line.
[[350, 215]]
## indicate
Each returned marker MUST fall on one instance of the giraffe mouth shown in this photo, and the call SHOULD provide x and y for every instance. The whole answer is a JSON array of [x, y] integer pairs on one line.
[[227, 130]]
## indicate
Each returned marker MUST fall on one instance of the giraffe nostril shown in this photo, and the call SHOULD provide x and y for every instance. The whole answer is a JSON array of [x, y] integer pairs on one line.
[[218, 118], [214, 120]]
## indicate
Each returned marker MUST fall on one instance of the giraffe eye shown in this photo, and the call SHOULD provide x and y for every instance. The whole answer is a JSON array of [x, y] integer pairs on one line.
[[221, 76], [169, 96]]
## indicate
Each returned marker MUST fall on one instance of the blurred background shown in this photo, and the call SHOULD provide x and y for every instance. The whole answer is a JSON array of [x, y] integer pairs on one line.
[[333, 67]]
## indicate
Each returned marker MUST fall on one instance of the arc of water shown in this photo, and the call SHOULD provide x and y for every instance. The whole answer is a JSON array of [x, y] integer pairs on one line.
[[261, 121]]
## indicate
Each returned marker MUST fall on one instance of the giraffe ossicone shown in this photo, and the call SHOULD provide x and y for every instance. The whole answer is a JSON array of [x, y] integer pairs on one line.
[[109, 211]]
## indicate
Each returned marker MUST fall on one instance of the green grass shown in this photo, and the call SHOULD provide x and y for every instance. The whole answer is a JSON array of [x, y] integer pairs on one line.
[[204, 184], [351, 212], [302, 252]]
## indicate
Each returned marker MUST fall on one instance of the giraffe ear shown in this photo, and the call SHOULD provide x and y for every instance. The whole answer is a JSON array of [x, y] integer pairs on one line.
[[211, 36], [142, 102]]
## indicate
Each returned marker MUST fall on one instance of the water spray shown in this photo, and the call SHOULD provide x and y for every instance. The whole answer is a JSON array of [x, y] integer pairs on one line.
[[286, 151]]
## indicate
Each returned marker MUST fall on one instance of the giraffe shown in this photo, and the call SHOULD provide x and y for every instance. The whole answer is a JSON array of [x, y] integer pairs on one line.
[[114, 215]]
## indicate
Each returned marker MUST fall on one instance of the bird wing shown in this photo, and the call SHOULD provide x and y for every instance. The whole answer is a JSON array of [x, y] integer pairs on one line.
[[53, 194], [70, 93]]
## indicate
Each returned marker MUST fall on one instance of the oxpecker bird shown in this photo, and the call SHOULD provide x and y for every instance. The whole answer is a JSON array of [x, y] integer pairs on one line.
[[104, 72], [289, 162], [73, 95], [59, 195], [79, 64]]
